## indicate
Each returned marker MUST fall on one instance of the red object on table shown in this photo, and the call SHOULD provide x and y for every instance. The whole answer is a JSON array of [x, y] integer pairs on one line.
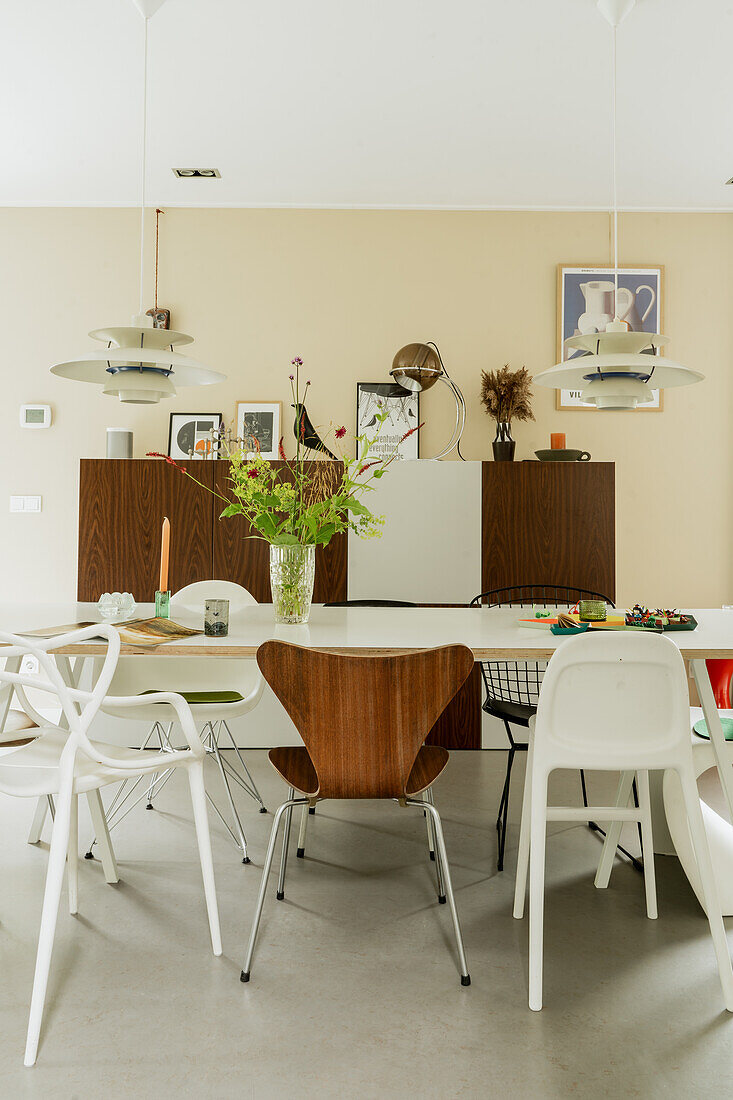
[[557, 441], [721, 674]]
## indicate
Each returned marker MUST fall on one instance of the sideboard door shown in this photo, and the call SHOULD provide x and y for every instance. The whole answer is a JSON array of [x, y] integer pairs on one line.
[[122, 503]]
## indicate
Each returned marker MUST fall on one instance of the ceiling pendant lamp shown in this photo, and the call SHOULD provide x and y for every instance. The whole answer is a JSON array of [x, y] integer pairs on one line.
[[139, 365], [617, 369]]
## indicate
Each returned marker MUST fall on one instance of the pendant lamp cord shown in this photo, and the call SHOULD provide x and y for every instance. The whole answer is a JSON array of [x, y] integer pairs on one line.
[[158, 212], [143, 171], [613, 161]]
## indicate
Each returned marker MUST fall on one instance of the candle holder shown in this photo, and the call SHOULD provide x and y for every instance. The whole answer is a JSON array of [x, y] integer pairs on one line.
[[162, 605]]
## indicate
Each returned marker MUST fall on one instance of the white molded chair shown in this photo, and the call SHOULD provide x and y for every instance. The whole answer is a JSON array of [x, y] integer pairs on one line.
[[62, 763], [611, 702], [217, 691]]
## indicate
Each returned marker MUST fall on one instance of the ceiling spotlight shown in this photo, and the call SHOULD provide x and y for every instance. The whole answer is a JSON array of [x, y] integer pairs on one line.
[[197, 173]]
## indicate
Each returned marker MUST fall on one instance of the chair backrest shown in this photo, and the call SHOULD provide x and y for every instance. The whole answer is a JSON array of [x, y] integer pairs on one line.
[[193, 596], [182, 673], [613, 700], [520, 681], [370, 603], [547, 595], [363, 719], [78, 708]]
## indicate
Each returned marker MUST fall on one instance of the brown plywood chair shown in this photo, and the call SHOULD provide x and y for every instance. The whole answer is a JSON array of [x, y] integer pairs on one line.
[[363, 721]]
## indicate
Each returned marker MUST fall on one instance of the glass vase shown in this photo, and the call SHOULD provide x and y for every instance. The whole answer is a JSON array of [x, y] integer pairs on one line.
[[292, 572], [503, 445]]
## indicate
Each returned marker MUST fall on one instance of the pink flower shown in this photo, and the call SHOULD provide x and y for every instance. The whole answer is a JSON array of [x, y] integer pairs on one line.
[[281, 449], [409, 433], [340, 432], [251, 473], [169, 460]]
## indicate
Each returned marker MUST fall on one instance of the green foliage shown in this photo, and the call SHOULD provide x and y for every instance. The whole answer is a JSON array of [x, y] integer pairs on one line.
[[307, 502]]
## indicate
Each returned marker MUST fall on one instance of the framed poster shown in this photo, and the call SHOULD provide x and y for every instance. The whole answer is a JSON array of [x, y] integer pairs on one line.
[[585, 304], [189, 435], [258, 426], [403, 412]]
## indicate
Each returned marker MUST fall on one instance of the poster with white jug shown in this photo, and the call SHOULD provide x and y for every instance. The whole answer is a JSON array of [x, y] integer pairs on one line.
[[585, 304]]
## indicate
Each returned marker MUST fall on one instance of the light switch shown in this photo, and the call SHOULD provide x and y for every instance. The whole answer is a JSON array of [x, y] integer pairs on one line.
[[25, 504]]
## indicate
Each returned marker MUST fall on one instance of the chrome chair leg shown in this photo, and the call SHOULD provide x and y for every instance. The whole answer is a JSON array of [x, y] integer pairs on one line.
[[300, 852], [442, 858], [286, 843], [252, 790], [438, 860], [232, 808], [429, 827], [244, 976]]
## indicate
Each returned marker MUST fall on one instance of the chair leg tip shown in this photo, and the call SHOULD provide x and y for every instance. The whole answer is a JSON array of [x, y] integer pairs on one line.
[[263, 809], [465, 979], [89, 855], [246, 860], [300, 853], [311, 809], [280, 895], [441, 899], [432, 856], [149, 806], [244, 977]]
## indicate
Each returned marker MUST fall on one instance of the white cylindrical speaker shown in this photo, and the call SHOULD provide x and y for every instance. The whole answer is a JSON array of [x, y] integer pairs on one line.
[[119, 443]]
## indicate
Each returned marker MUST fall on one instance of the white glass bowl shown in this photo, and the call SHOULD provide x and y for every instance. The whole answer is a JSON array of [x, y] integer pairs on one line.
[[116, 605]]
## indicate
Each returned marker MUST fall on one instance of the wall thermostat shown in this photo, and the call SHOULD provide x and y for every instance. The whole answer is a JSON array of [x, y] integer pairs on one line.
[[35, 416]]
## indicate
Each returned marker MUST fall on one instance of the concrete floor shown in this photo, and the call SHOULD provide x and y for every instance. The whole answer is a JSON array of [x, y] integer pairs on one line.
[[355, 990]]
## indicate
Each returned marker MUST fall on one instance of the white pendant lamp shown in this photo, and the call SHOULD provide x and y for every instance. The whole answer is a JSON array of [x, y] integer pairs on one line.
[[617, 369], [139, 365]]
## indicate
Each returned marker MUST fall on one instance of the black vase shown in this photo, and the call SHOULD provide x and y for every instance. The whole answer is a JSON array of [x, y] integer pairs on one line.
[[503, 445]]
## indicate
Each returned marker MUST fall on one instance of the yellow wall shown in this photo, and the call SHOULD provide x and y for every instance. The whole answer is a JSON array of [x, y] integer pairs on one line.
[[344, 290]]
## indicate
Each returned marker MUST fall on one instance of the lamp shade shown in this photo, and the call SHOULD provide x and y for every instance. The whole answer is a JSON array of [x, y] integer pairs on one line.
[[617, 369], [139, 364], [416, 367]]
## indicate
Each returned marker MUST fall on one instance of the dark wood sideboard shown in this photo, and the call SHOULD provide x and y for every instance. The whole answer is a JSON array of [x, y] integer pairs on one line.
[[541, 523]]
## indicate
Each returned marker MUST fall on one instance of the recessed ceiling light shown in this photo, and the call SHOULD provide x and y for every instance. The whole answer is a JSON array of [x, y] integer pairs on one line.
[[197, 173]]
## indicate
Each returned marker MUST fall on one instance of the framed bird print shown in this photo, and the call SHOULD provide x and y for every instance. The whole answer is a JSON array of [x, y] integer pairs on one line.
[[403, 412], [258, 426]]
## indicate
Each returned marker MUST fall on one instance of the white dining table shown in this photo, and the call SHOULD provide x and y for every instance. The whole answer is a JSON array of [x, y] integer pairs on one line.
[[490, 633]]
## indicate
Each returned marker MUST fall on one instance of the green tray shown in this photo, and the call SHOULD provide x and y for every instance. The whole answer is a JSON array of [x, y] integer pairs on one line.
[[691, 624]]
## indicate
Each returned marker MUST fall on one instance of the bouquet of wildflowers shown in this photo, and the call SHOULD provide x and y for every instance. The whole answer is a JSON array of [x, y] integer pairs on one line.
[[305, 501]]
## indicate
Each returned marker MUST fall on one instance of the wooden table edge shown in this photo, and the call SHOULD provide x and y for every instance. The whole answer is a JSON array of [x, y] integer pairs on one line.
[[480, 653]]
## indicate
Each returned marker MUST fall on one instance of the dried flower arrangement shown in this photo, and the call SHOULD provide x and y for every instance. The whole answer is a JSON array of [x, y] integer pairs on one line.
[[506, 394]]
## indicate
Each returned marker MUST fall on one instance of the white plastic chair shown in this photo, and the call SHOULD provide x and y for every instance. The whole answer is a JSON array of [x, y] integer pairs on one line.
[[64, 763], [611, 703], [184, 675]]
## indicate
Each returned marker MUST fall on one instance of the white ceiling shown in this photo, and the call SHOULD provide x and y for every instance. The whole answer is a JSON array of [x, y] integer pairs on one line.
[[455, 103]]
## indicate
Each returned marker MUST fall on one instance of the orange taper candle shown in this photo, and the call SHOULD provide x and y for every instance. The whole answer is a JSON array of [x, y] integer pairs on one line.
[[165, 547]]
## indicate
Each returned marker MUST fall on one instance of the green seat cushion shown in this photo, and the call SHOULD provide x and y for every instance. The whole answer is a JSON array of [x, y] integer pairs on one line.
[[701, 728], [194, 697]]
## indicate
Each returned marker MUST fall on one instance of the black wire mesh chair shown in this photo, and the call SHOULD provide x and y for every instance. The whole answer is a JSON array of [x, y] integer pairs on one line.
[[513, 687]]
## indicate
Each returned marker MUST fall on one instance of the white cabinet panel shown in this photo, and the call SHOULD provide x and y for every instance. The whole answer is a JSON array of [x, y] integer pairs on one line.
[[430, 551]]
